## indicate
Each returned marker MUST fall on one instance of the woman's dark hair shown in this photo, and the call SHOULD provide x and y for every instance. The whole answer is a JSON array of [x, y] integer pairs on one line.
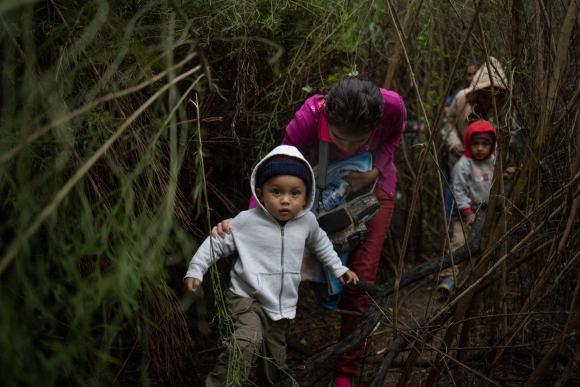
[[355, 105]]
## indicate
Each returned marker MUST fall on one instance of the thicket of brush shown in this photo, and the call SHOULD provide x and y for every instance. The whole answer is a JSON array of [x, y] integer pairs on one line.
[[110, 109]]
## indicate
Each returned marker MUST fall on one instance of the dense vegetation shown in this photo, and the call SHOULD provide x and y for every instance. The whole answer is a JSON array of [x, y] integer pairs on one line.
[[128, 128]]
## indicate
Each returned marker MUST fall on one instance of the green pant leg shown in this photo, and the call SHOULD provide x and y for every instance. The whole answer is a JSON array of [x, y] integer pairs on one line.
[[272, 363], [245, 313]]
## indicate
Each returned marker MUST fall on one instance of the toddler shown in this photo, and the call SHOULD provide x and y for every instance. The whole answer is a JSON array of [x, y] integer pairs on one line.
[[270, 240]]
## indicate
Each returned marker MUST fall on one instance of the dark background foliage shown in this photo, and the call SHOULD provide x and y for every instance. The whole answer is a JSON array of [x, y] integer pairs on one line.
[[112, 169]]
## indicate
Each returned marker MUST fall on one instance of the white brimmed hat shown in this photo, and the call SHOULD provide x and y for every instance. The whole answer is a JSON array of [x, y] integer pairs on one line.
[[481, 79]]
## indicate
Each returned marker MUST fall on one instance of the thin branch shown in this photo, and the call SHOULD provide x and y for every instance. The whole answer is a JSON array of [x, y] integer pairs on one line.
[[63, 192], [206, 67], [65, 118]]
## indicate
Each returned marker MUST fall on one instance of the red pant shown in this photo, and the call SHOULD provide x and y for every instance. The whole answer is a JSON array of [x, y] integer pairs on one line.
[[364, 261]]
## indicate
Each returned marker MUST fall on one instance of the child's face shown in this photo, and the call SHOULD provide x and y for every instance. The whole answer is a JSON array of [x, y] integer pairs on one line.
[[283, 196], [480, 149]]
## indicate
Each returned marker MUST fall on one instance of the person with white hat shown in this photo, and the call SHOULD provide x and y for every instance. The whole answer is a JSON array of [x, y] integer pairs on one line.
[[475, 102]]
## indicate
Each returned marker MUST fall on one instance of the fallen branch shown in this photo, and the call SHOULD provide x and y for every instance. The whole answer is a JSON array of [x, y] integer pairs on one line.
[[473, 355], [381, 293], [471, 248], [325, 357]]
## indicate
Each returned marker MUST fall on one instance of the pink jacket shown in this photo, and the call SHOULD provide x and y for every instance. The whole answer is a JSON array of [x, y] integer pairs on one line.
[[303, 130]]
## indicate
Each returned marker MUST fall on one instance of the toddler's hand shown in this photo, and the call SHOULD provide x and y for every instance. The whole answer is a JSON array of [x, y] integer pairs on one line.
[[470, 219], [349, 277], [191, 284]]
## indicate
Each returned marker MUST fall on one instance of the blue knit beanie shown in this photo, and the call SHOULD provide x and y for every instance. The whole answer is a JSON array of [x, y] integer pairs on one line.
[[282, 165]]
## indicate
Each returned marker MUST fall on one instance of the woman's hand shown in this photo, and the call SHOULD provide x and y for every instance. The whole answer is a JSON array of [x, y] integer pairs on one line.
[[362, 179], [509, 173], [458, 150], [222, 228]]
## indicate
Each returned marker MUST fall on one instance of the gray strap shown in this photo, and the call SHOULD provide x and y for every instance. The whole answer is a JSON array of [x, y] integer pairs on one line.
[[322, 168], [322, 164]]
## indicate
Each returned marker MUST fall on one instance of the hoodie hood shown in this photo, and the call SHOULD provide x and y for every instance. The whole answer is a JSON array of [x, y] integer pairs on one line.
[[482, 78], [288, 151], [479, 126]]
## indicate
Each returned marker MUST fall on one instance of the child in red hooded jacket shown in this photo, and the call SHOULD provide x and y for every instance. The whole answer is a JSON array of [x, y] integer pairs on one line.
[[472, 179]]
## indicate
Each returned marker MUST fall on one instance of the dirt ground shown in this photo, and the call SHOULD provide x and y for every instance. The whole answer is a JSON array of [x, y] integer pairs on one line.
[[315, 329]]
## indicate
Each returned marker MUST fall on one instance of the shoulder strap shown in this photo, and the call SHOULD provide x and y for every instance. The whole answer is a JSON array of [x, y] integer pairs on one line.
[[322, 164], [322, 156]]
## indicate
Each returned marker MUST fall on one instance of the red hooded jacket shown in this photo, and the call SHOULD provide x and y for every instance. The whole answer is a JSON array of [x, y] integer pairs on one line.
[[479, 126], [472, 179]]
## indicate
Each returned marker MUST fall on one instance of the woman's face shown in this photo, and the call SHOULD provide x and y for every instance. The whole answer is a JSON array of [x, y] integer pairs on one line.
[[470, 73], [345, 141]]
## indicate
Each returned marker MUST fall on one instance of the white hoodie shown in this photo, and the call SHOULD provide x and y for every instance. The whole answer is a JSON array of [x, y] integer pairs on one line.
[[268, 268]]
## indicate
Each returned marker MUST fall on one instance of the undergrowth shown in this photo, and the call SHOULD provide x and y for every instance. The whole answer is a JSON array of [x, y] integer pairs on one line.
[[110, 175], [91, 207]]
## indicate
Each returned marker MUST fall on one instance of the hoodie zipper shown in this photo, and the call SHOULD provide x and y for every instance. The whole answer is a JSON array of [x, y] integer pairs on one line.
[[282, 269]]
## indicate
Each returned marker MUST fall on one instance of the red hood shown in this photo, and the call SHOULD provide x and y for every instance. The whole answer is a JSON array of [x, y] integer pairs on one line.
[[479, 126]]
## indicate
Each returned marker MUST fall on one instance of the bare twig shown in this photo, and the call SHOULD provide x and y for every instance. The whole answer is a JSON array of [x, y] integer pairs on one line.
[[206, 67], [561, 57], [65, 118], [63, 192]]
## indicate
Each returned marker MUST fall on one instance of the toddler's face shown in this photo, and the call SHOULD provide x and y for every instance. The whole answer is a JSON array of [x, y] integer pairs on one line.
[[480, 149], [283, 196]]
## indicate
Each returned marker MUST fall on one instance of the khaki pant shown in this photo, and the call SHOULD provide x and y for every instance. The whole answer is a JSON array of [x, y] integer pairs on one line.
[[457, 240], [259, 339]]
